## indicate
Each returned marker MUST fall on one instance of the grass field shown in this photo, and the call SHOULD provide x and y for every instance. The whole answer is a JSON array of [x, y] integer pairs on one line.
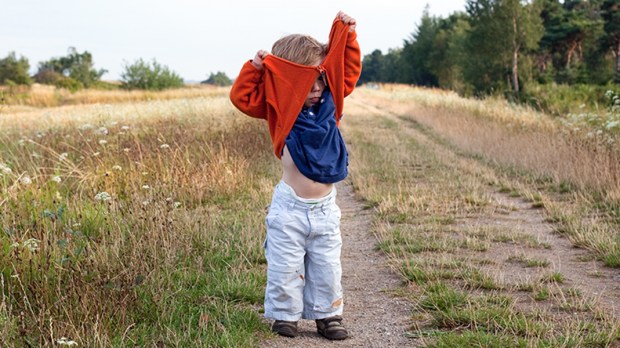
[[135, 220]]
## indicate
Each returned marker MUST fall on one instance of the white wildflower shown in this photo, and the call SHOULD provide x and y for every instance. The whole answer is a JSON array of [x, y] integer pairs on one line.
[[40, 135], [56, 179], [31, 244], [86, 126], [177, 204], [103, 130], [164, 146], [21, 142], [63, 341], [612, 124], [95, 154], [145, 202], [103, 142], [15, 245], [145, 187], [117, 167], [25, 180], [126, 150], [5, 169], [103, 196], [63, 156], [125, 128]]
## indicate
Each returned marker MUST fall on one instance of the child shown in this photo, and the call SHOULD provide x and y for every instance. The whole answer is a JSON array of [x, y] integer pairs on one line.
[[299, 89]]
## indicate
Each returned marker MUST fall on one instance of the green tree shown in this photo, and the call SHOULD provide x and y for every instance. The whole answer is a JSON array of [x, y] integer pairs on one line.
[[373, 64], [383, 68], [486, 47], [501, 30], [14, 71], [571, 28], [76, 66], [417, 53], [150, 76], [610, 11], [391, 69], [218, 79], [527, 30], [446, 59]]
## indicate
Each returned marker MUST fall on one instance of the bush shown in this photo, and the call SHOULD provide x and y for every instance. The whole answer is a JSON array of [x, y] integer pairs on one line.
[[14, 71], [150, 76], [218, 79], [562, 99], [74, 71], [48, 77], [605, 125]]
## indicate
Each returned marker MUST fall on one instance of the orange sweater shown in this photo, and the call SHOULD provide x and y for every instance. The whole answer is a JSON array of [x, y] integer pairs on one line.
[[278, 92]]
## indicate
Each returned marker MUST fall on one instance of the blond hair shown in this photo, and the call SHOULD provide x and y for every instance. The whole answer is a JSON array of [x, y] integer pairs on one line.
[[300, 49]]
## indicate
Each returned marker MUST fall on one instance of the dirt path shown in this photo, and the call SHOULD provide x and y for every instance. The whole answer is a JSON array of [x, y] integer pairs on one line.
[[372, 315], [597, 285]]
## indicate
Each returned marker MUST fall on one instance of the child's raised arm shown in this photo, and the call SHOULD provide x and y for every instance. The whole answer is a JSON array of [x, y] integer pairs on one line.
[[353, 55], [248, 91]]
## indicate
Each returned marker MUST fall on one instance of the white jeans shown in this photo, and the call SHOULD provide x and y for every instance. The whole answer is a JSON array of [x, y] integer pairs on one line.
[[303, 257]]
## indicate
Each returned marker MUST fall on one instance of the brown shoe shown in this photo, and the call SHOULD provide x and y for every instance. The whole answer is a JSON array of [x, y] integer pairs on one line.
[[285, 328], [332, 328]]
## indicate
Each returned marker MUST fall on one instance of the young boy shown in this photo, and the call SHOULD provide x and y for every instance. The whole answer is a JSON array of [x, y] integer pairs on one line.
[[299, 89]]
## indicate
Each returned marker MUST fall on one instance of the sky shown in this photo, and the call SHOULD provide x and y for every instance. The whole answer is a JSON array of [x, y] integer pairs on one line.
[[195, 38]]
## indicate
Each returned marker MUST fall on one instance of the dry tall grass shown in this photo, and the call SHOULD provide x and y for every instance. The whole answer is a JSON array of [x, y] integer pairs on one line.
[[41, 96], [510, 135]]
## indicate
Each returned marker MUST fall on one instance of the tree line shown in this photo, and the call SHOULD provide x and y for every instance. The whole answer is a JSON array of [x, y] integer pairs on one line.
[[76, 71], [504, 46]]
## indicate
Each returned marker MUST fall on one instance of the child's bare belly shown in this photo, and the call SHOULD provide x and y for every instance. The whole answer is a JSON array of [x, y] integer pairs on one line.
[[304, 187]]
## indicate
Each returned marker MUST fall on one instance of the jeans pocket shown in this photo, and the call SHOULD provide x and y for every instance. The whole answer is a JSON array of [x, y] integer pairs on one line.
[[335, 214], [272, 216]]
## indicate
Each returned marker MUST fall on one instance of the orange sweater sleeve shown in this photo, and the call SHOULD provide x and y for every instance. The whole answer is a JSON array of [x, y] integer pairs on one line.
[[248, 92], [343, 64], [352, 63]]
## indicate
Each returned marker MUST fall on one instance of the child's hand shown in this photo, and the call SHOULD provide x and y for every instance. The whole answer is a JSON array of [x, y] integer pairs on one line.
[[347, 20], [258, 59]]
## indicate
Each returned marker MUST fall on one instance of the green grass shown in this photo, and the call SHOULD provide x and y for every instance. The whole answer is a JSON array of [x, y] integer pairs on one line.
[[528, 262]]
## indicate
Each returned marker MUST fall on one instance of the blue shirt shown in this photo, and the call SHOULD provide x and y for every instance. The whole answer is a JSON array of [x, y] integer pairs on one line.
[[316, 145]]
